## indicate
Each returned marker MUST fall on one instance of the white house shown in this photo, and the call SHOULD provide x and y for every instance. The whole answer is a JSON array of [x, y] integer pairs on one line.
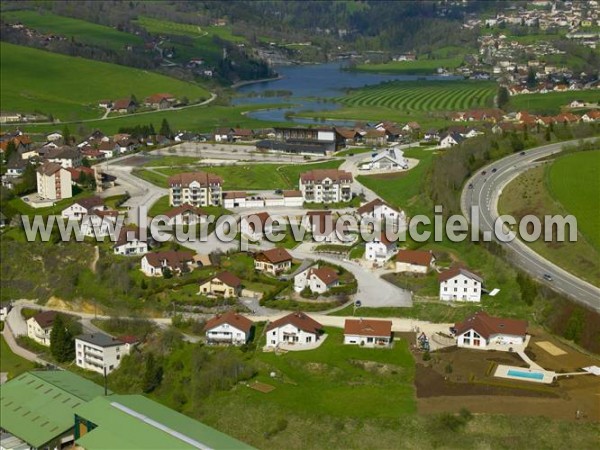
[[322, 227], [379, 250], [295, 329], [414, 261], [317, 279], [67, 157], [153, 264], [53, 181], [99, 352], [450, 140], [185, 215], [83, 207], [368, 333], [196, 189], [274, 261], [228, 328], [389, 159], [256, 226], [480, 331], [99, 223], [5, 308], [39, 327], [326, 186], [131, 242], [460, 284], [381, 211]]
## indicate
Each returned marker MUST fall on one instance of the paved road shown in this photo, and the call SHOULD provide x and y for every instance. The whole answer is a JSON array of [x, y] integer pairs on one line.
[[485, 193]]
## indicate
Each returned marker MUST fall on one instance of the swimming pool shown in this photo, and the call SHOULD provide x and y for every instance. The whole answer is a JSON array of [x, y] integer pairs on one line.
[[521, 374]]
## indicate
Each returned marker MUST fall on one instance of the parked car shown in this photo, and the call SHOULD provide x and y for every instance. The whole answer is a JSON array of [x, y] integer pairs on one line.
[[494, 170], [483, 172], [548, 277], [522, 153]]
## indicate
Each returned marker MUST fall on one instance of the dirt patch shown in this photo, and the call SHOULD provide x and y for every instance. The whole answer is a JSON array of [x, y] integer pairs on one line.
[[59, 304], [261, 387], [376, 367], [550, 348]]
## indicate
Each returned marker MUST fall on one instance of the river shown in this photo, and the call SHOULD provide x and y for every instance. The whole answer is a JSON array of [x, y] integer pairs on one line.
[[313, 88]]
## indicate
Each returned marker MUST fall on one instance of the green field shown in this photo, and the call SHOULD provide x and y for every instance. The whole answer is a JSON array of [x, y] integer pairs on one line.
[[11, 363], [574, 180], [244, 177], [69, 88], [82, 31], [551, 102], [405, 189], [418, 67], [201, 44], [422, 96]]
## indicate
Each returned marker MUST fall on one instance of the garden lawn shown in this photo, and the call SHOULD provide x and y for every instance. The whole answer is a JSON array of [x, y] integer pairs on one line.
[[418, 67], [69, 88], [11, 363], [552, 102]]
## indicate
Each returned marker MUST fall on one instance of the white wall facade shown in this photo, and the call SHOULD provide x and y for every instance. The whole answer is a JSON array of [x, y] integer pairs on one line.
[[378, 252], [56, 186], [411, 268], [290, 335], [366, 341], [93, 357], [132, 248], [37, 333], [460, 288], [195, 194], [227, 334]]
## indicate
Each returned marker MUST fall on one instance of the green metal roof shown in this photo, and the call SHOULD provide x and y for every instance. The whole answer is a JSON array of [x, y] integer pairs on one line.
[[38, 406], [134, 422]]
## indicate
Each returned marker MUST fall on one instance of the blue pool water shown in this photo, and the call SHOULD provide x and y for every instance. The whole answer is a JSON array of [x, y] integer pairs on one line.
[[518, 373]]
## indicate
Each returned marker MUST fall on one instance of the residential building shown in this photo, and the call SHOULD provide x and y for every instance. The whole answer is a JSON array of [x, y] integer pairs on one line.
[[177, 262], [480, 331], [16, 167], [99, 352], [450, 140], [83, 207], [5, 308], [196, 189], [160, 101], [49, 399], [124, 105], [136, 422], [185, 214], [322, 227], [99, 223], [295, 329], [39, 327], [318, 279], [224, 284], [256, 226], [380, 249], [414, 261], [131, 242], [273, 261], [388, 159], [368, 332], [228, 328], [326, 186], [53, 181], [381, 211], [460, 284], [67, 157]]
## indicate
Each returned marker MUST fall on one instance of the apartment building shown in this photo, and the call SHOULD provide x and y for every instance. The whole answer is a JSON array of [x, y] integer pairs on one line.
[[326, 186], [98, 351], [196, 189]]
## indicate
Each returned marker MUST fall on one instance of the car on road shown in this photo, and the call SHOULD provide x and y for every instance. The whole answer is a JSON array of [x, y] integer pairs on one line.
[[494, 170], [278, 192], [548, 277], [470, 185], [483, 172], [522, 153]]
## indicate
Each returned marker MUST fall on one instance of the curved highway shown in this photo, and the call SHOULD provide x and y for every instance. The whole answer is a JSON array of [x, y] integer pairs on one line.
[[484, 191]]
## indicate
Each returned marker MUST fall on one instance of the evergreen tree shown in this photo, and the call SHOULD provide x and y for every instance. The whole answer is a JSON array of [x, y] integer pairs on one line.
[[503, 97], [62, 343], [165, 129], [11, 149], [152, 375], [66, 135]]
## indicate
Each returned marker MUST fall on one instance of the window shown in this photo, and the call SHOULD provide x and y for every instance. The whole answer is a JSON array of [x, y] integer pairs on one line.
[[308, 339], [466, 341], [118, 357], [465, 289], [369, 340], [476, 342]]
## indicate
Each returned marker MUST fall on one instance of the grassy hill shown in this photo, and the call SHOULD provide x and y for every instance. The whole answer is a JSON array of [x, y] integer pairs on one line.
[[69, 88], [84, 32]]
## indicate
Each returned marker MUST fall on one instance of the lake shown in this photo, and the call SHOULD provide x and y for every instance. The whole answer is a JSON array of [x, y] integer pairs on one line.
[[312, 88]]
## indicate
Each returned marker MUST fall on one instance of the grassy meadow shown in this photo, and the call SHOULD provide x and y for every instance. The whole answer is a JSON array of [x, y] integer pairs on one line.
[[12, 364], [81, 30], [243, 177], [418, 67], [552, 102], [69, 88]]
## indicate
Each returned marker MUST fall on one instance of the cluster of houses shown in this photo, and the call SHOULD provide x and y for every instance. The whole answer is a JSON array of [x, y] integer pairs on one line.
[[128, 105]]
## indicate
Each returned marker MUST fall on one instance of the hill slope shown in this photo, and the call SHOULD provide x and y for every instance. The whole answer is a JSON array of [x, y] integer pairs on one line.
[[69, 88]]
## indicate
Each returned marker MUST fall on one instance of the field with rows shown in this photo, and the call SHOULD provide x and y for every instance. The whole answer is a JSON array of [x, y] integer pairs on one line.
[[82, 31], [423, 96]]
